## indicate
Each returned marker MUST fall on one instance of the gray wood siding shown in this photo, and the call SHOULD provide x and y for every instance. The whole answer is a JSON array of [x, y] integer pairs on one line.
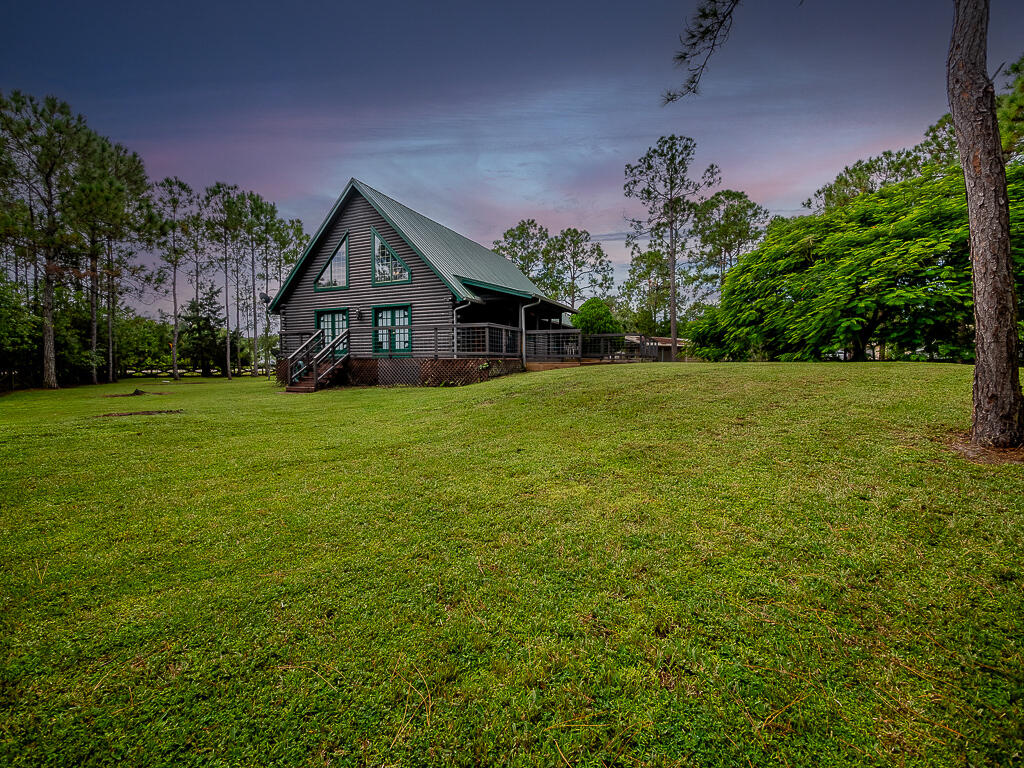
[[430, 299]]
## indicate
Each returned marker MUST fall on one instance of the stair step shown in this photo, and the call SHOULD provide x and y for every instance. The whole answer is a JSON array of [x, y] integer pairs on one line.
[[306, 382]]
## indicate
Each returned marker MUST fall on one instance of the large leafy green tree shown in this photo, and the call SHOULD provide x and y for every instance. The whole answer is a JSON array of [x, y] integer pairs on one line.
[[661, 181], [595, 316], [866, 176], [892, 268]]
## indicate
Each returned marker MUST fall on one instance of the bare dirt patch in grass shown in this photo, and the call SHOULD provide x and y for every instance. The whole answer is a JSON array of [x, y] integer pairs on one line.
[[136, 393], [960, 442], [137, 413]]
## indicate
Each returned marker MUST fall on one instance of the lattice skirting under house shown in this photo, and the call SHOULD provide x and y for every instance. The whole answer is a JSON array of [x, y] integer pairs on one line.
[[422, 372]]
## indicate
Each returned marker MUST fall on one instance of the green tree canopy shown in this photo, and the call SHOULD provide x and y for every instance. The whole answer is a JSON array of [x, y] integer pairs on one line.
[[725, 226], [578, 265], [595, 316], [644, 293], [527, 245], [890, 267]]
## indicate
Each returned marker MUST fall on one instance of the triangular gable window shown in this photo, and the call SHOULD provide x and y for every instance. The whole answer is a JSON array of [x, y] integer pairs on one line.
[[335, 271], [388, 268]]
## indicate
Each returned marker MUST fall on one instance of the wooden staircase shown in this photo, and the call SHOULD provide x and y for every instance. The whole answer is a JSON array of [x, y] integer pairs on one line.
[[325, 375], [316, 364]]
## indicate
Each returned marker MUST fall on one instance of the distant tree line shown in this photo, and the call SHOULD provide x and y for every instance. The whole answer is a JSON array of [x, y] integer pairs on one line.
[[86, 237], [687, 233]]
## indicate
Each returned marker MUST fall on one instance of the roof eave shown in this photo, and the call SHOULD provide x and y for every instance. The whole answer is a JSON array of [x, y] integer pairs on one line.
[[560, 305]]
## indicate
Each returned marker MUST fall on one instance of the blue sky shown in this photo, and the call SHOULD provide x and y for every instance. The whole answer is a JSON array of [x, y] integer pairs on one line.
[[480, 114]]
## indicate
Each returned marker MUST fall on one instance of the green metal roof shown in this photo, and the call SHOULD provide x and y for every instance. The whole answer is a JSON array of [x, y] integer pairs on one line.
[[458, 261]]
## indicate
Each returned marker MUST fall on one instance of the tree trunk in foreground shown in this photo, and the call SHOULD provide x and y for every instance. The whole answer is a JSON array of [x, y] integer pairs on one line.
[[998, 418]]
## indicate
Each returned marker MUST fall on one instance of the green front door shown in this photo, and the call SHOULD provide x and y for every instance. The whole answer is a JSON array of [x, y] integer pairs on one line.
[[333, 322]]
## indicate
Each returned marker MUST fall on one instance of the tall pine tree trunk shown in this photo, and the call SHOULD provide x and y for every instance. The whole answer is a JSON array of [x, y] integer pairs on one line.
[[227, 312], [998, 418], [49, 347], [94, 297], [174, 308], [255, 317], [673, 291], [111, 378], [238, 318]]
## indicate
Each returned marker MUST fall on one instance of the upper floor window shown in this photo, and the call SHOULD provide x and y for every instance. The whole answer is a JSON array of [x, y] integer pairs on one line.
[[335, 272], [387, 266]]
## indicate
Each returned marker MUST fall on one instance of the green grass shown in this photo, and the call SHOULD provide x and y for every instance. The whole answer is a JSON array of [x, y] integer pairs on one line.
[[620, 565]]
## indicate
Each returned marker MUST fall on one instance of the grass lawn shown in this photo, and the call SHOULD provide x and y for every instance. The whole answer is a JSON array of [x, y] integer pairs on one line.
[[615, 565]]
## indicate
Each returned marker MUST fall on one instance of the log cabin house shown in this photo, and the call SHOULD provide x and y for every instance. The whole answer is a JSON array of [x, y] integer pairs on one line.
[[384, 295]]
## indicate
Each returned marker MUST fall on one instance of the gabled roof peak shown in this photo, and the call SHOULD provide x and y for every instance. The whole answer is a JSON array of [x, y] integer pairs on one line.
[[458, 261]]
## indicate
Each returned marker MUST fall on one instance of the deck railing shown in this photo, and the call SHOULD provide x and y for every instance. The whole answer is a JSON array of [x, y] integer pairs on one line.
[[563, 344], [472, 340], [487, 340], [619, 346], [567, 344], [418, 340]]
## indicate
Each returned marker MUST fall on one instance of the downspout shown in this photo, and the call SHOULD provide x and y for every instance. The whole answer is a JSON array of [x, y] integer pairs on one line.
[[455, 326], [522, 325]]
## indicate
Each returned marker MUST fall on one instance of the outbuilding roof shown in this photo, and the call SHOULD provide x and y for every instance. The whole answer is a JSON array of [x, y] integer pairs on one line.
[[460, 263]]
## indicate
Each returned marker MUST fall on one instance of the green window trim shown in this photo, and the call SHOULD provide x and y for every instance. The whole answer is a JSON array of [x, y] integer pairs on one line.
[[334, 330], [374, 237], [328, 265], [392, 339]]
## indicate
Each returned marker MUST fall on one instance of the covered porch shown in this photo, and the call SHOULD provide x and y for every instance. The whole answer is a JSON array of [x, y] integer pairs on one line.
[[434, 355]]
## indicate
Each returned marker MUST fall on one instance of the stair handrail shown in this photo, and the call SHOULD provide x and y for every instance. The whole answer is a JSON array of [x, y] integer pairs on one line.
[[320, 376], [306, 343], [296, 363], [330, 347]]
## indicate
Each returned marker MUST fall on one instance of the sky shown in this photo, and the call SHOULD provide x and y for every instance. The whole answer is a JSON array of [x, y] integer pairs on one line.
[[479, 114]]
